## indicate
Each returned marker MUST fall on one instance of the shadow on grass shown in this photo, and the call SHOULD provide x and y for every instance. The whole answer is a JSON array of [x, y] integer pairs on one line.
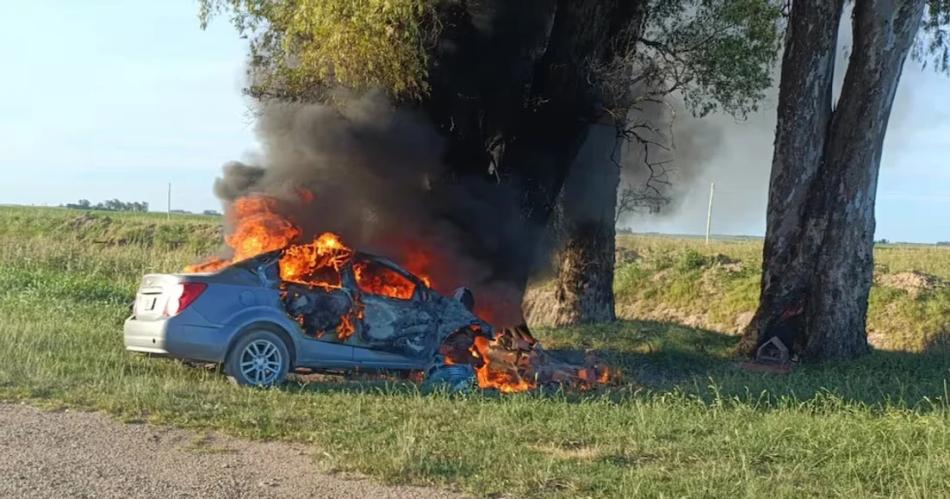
[[659, 352], [666, 357], [659, 358]]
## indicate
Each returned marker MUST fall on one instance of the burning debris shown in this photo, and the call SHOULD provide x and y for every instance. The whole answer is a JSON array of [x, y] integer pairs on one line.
[[340, 295], [514, 361]]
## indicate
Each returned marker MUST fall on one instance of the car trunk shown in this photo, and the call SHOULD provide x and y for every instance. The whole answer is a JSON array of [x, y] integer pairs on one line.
[[155, 294]]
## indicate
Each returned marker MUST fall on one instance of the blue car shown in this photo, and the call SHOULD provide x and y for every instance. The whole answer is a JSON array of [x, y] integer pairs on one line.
[[260, 328]]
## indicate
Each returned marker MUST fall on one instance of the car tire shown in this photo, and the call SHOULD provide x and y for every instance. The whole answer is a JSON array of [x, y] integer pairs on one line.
[[258, 358]]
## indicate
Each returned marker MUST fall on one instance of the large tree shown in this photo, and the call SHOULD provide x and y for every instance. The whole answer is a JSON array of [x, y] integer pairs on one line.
[[818, 260], [514, 87]]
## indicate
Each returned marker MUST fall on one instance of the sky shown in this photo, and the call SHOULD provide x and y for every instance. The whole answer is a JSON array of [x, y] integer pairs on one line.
[[115, 99]]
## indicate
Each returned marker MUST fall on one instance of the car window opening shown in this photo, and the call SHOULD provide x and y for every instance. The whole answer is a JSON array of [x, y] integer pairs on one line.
[[377, 279]]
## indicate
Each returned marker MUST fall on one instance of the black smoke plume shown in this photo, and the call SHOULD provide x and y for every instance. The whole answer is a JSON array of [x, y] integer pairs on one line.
[[377, 178]]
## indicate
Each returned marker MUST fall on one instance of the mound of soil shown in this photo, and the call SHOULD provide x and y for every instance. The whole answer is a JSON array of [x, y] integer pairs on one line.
[[915, 283], [727, 264]]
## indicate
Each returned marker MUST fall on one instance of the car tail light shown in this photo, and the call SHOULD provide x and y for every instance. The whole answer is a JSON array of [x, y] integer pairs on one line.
[[184, 295]]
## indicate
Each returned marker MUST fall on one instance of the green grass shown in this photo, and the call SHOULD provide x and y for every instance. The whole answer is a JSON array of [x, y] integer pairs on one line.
[[683, 422]]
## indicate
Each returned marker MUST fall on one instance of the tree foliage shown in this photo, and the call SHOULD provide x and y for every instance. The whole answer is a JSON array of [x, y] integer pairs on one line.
[[299, 48], [718, 54], [933, 41]]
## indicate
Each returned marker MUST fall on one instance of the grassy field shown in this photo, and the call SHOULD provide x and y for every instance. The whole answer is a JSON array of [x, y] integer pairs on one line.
[[684, 421]]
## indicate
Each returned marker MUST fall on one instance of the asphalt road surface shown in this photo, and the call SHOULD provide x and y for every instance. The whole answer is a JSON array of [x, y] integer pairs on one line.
[[81, 454]]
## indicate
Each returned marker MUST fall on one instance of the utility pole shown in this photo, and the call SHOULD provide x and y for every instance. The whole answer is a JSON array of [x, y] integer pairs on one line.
[[712, 191], [168, 214]]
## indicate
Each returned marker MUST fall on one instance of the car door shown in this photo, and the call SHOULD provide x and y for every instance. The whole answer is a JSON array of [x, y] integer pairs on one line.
[[395, 316], [316, 350]]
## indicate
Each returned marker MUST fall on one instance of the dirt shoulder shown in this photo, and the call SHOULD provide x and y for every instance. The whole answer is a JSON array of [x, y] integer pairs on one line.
[[80, 454]]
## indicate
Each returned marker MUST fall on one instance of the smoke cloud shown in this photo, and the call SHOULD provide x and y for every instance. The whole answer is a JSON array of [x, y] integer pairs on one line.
[[373, 174]]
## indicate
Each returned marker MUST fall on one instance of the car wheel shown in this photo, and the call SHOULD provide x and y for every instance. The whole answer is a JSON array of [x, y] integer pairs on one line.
[[259, 358]]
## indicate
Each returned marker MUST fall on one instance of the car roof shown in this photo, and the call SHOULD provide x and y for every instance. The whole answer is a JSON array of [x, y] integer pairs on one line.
[[389, 263], [360, 255]]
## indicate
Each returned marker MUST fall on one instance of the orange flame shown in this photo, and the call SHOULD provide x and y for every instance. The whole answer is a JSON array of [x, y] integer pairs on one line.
[[503, 377], [378, 280], [257, 229], [316, 264], [418, 261]]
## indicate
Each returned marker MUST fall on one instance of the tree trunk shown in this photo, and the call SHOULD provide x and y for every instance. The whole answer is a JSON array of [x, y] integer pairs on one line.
[[586, 262], [817, 260], [588, 200], [836, 323], [804, 111], [513, 91]]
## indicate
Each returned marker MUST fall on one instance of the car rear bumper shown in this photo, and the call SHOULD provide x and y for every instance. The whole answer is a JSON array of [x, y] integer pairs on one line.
[[175, 339], [145, 336]]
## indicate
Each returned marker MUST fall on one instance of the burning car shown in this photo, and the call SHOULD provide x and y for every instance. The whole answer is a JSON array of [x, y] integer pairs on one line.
[[279, 304], [320, 306]]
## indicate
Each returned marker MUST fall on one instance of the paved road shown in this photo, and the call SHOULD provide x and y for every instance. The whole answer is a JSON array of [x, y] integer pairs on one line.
[[79, 454]]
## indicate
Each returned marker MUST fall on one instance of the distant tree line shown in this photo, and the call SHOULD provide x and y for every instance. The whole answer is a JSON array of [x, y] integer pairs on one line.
[[110, 205], [132, 206]]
